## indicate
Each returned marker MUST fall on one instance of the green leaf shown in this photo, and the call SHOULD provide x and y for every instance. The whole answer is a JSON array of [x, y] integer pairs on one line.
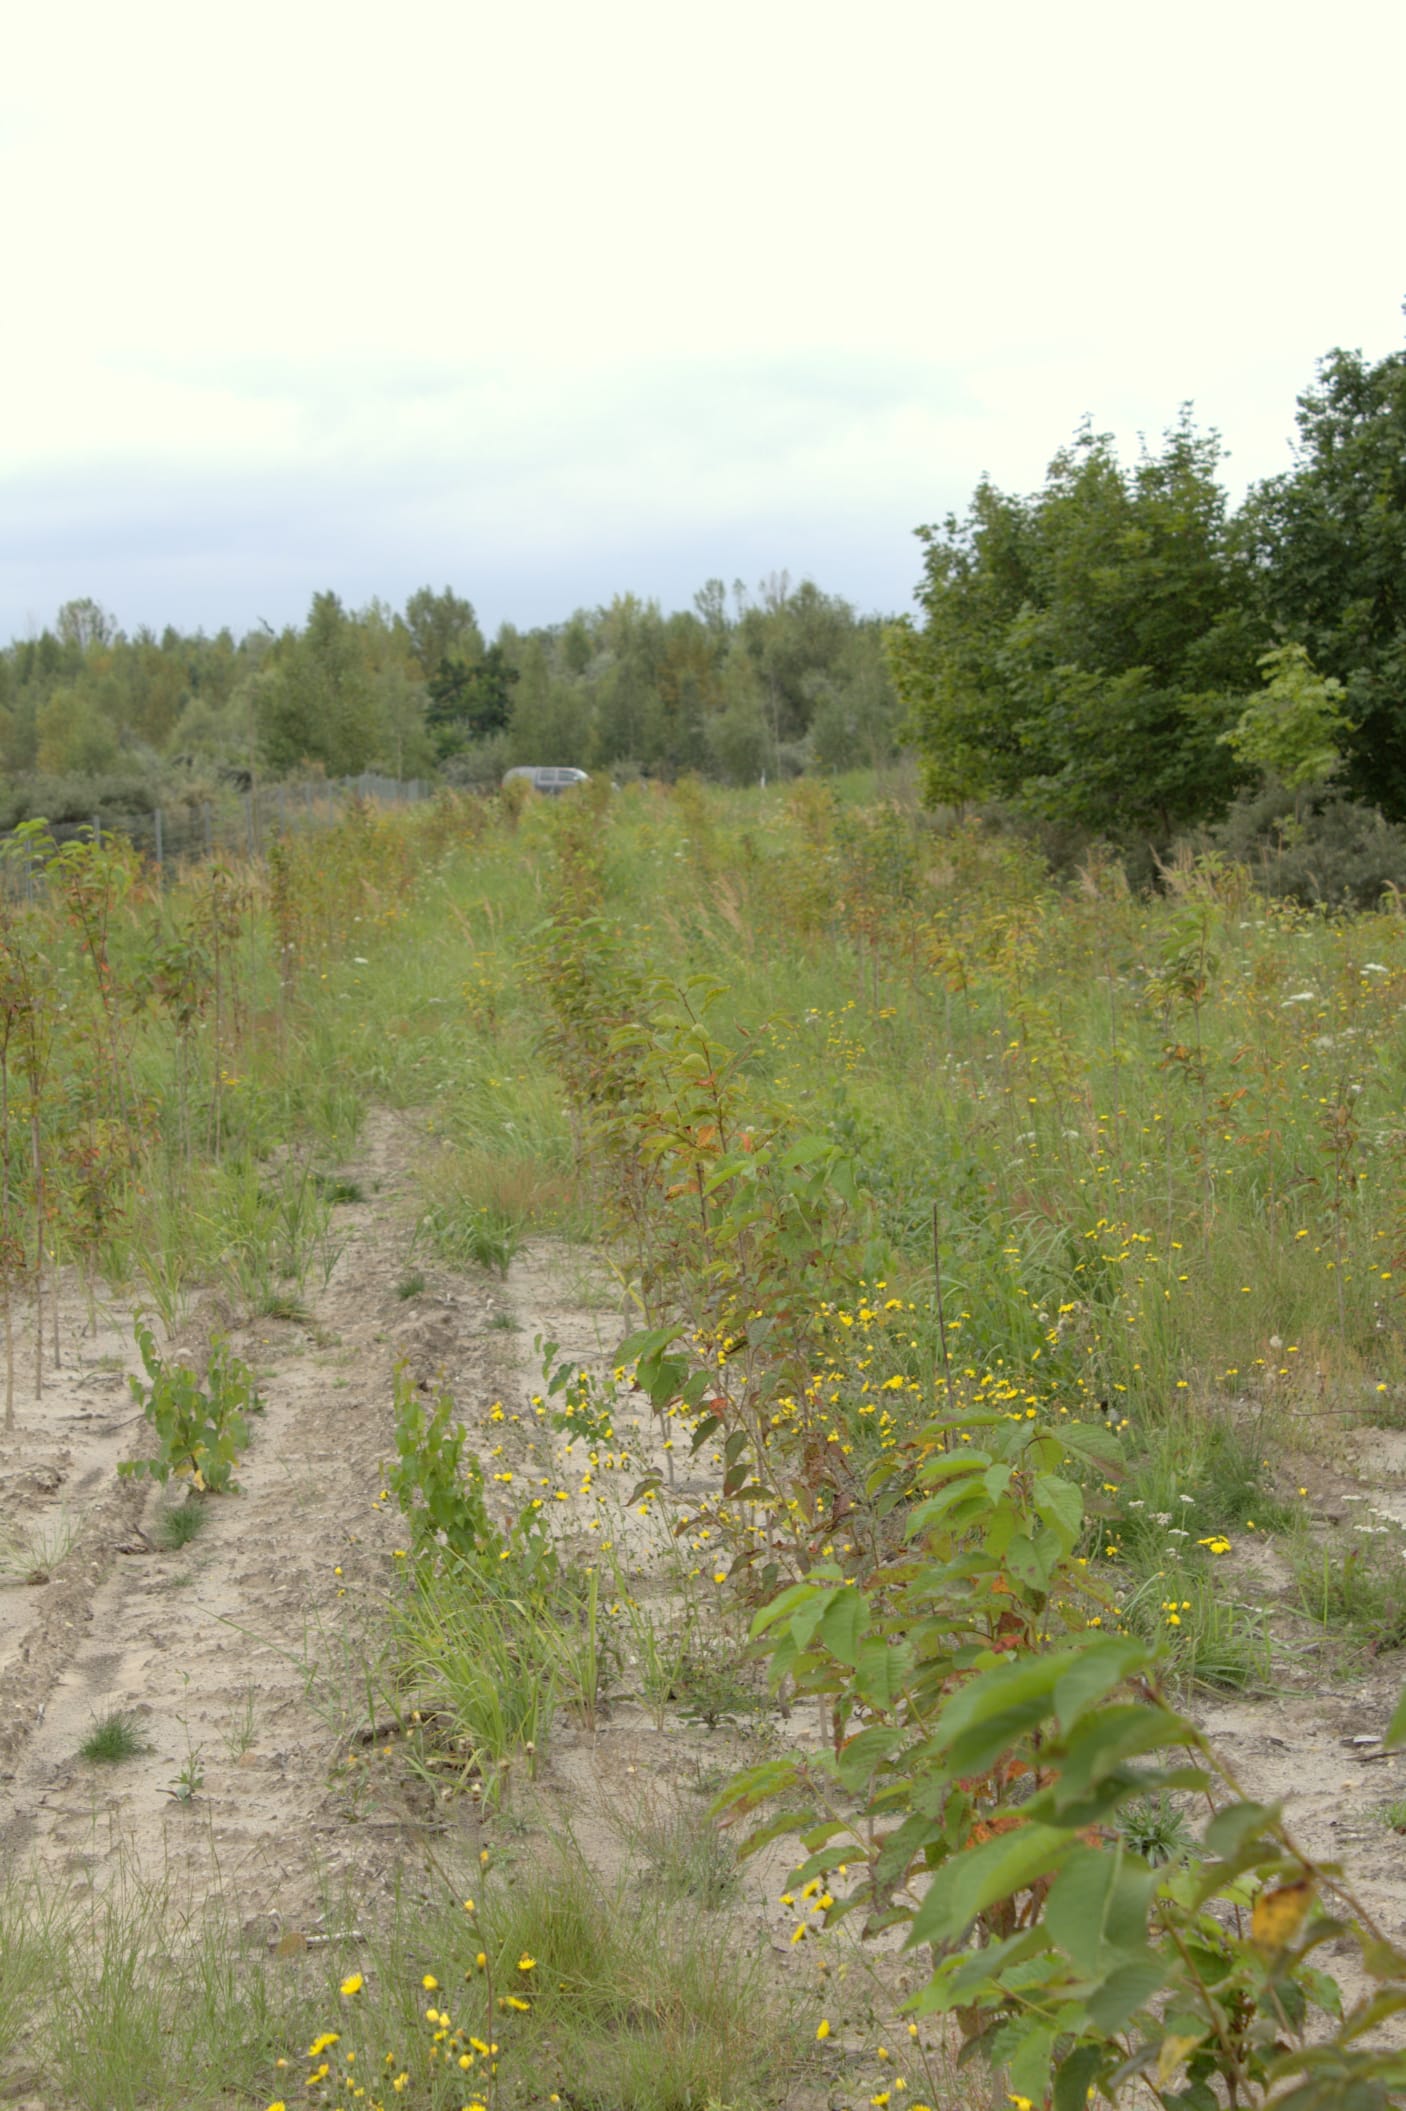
[[1078, 1904], [755, 1785], [1012, 1682], [724, 1170], [1074, 2078], [783, 1605], [1102, 1742], [865, 1751], [980, 1876], [1097, 1669], [804, 1151], [882, 1672], [1238, 1822], [777, 1828], [1031, 1562], [1028, 2058], [949, 1463], [1060, 1504], [981, 1745], [1337, 2092], [1125, 1922], [1091, 1442], [1125, 1990], [845, 1619], [934, 1509], [971, 1974], [652, 1342]]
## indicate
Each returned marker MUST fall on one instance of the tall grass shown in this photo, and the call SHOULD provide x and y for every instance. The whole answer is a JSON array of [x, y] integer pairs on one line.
[[1161, 1135]]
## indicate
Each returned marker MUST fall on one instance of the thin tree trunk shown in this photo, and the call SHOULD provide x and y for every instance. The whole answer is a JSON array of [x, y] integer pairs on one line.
[[38, 1157], [5, 1295]]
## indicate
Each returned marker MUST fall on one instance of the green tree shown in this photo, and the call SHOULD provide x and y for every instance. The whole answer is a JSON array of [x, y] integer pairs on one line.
[[154, 688], [740, 738], [85, 624], [550, 720], [855, 719], [442, 627], [630, 714], [316, 703], [1330, 536], [796, 638], [1293, 729], [73, 735], [1085, 648], [469, 699], [979, 573]]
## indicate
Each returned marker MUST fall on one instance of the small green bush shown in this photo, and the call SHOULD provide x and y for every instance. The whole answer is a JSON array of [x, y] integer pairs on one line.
[[200, 1431]]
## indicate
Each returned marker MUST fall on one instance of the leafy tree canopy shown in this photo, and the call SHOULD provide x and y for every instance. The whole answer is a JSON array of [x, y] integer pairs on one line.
[[1084, 649], [1330, 538], [469, 699]]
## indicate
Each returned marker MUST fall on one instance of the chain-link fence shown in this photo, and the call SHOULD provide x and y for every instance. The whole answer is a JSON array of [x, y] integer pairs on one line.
[[238, 824]]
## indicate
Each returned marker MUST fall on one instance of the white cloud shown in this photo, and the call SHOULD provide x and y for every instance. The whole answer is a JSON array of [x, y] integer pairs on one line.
[[636, 279]]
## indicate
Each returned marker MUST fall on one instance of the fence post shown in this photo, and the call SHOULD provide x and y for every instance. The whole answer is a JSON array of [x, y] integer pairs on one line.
[[160, 848], [98, 830], [209, 831]]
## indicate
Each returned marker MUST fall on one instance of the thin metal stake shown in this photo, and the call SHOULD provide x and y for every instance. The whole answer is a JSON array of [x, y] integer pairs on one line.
[[941, 1317]]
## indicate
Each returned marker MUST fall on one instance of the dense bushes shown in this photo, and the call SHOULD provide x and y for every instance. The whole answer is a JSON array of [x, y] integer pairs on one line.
[[1336, 850]]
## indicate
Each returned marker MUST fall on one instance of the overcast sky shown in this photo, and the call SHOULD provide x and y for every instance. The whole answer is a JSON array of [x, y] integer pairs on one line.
[[547, 302]]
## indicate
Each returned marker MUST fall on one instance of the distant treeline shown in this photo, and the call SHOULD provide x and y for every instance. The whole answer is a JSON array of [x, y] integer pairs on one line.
[[1119, 655], [739, 687]]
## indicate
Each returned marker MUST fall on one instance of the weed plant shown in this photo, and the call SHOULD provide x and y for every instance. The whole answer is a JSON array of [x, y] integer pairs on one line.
[[560, 1988], [180, 1523], [1353, 1582], [113, 1739], [114, 2000], [200, 1430], [681, 1853], [34, 1551]]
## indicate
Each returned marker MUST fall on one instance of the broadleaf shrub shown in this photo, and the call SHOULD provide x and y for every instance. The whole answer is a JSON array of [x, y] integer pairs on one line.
[[200, 1429]]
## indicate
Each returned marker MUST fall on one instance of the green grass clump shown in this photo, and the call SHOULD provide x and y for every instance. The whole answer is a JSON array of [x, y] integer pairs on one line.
[[112, 2002], [683, 1855], [479, 1205], [590, 1992], [178, 1525], [1210, 1638], [112, 1739], [1355, 1583], [339, 1191]]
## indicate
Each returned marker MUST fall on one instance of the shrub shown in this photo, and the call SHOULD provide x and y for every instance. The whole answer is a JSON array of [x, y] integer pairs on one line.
[[1337, 850]]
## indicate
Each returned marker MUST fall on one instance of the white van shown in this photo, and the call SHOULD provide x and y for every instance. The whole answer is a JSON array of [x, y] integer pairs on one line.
[[548, 780]]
